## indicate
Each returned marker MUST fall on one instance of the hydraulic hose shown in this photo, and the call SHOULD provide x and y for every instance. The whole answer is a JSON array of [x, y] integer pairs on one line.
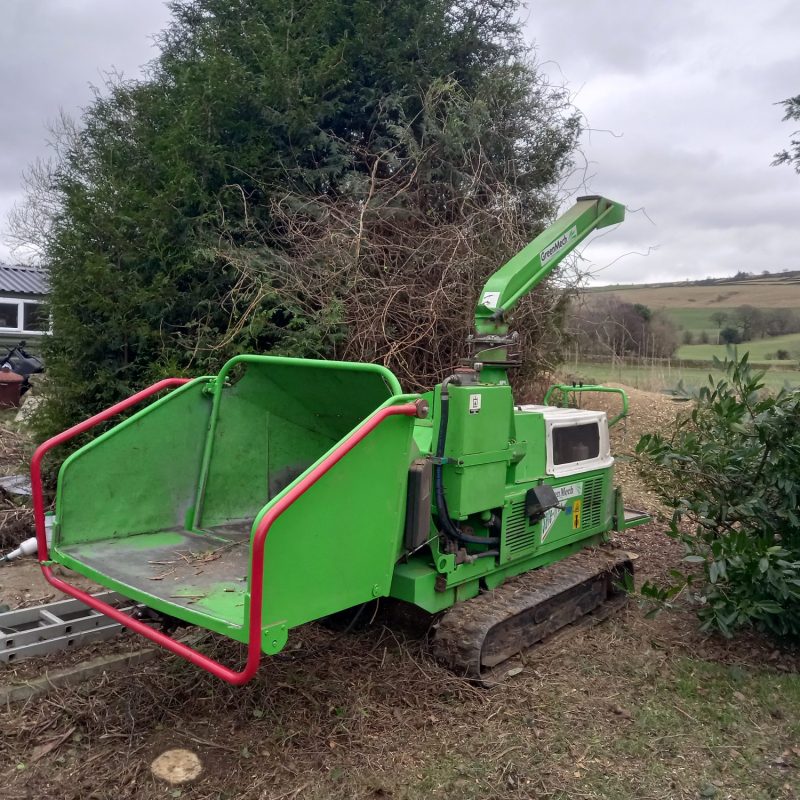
[[446, 524]]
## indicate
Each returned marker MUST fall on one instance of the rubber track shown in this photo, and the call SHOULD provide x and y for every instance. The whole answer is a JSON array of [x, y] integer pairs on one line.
[[462, 633]]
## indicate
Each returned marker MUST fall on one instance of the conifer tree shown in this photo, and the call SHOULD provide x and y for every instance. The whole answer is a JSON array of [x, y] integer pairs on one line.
[[332, 178]]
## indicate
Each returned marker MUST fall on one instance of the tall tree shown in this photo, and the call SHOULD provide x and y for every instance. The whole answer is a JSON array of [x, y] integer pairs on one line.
[[327, 178], [607, 326], [791, 155]]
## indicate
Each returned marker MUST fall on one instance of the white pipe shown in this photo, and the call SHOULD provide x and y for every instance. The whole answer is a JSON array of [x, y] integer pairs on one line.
[[29, 547]]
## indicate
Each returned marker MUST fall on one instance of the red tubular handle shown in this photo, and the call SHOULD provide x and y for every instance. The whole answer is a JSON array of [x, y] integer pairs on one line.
[[259, 539]]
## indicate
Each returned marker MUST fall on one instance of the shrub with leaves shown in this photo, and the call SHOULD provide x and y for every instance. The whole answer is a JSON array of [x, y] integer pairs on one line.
[[332, 178], [730, 470]]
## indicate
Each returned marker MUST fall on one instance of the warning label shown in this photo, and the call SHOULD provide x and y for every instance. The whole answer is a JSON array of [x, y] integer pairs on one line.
[[576, 514]]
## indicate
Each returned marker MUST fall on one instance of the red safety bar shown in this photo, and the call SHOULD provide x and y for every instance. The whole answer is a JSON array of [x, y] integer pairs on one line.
[[417, 408]]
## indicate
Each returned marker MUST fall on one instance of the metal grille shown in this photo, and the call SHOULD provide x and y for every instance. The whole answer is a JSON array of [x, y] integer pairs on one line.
[[521, 536], [592, 513], [518, 535]]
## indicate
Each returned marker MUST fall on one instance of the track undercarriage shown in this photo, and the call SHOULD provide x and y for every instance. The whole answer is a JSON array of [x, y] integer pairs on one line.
[[477, 638]]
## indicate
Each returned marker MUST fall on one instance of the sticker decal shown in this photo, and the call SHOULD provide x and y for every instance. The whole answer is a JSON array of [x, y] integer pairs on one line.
[[576, 514], [490, 299], [569, 491], [550, 517], [564, 494], [474, 403], [554, 248]]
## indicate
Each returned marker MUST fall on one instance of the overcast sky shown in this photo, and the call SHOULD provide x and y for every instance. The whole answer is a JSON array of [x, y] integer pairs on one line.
[[679, 98]]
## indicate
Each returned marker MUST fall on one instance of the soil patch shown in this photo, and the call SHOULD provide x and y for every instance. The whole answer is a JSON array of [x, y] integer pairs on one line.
[[637, 707]]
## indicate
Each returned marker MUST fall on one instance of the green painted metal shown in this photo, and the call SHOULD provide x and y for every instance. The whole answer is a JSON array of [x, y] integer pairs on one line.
[[482, 436], [526, 270], [621, 520], [415, 582], [274, 408], [163, 506], [337, 545], [534, 263], [567, 389], [243, 445], [140, 475], [530, 434], [586, 512]]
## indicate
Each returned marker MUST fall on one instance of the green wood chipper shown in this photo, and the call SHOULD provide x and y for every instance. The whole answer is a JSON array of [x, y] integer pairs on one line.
[[286, 490]]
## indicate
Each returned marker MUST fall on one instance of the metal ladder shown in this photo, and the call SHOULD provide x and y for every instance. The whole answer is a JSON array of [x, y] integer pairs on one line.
[[61, 625]]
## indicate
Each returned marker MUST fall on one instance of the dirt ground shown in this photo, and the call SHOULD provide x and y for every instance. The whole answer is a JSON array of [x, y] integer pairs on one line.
[[15, 449], [637, 707], [21, 583]]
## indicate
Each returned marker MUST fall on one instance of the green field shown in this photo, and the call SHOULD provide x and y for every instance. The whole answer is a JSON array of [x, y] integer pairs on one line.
[[781, 290], [696, 320], [691, 306], [760, 350], [658, 378]]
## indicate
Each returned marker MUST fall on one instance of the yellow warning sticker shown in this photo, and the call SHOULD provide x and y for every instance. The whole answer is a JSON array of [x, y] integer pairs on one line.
[[576, 514]]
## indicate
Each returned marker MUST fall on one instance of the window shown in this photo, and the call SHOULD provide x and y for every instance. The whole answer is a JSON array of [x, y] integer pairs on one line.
[[22, 316], [34, 318], [576, 443], [9, 315]]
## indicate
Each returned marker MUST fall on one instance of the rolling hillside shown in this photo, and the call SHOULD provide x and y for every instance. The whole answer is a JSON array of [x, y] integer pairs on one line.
[[691, 306], [780, 290]]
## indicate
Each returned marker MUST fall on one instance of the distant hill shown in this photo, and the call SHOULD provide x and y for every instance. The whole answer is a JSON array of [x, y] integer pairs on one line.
[[775, 290]]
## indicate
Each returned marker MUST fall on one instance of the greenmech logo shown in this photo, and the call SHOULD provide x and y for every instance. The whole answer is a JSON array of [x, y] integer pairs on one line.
[[559, 244]]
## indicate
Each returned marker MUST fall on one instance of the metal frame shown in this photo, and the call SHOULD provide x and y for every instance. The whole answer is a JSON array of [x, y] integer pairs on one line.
[[567, 389], [49, 628], [237, 678], [20, 302]]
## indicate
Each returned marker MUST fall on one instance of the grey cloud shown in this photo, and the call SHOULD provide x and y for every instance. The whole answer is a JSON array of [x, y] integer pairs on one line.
[[689, 88], [50, 54], [626, 36], [696, 129]]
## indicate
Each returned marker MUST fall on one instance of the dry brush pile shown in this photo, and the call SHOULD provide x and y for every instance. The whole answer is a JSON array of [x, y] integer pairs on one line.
[[16, 519], [393, 282]]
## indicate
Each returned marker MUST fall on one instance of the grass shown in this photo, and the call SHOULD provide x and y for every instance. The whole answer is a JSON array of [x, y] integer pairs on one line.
[[696, 320], [7, 415], [670, 729], [684, 728], [658, 378], [759, 350]]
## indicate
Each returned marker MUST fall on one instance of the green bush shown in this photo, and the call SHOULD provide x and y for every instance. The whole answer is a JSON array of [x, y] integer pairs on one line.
[[731, 469], [730, 335], [332, 178]]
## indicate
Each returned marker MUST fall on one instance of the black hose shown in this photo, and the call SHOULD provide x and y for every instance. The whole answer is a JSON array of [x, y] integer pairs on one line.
[[446, 525]]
